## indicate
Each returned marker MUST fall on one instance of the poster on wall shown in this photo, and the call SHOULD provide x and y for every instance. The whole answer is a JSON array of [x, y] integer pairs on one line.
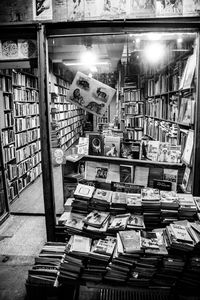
[[141, 8], [42, 10], [75, 10], [90, 94], [169, 8], [114, 9], [191, 7], [18, 49]]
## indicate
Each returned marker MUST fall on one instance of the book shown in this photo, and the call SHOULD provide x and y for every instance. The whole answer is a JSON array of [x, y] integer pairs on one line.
[[80, 245], [197, 202], [174, 154], [83, 146], [141, 176], [152, 150], [105, 246], [96, 218], [96, 145], [126, 173], [131, 150], [141, 9], [181, 234], [131, 241], [155, 173], [163, 152], [118, 199], [112, 146], [187, 180], [84, 191], [119, 222], [136, 222], [171, 175], [150, 194], [74, 222], [102, 195], [187, 152], [188, 73]]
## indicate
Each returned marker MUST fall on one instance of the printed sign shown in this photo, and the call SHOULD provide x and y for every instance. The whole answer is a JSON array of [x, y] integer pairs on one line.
[[90, 94], [42, 10]]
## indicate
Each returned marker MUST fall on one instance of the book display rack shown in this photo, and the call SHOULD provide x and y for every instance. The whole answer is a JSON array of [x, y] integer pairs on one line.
[[20, 130], [66, 118]]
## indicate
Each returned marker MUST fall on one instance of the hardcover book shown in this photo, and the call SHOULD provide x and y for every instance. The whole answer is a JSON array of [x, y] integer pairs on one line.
[[84, 191], [152, 150], [131, 241], [102, 195], [80, 244], [96, 145], [105, 246], [181, 234], [96, 218], [131, 150], [118, 199], [119, 222], [75, 222], [136, 222], [172, 176]]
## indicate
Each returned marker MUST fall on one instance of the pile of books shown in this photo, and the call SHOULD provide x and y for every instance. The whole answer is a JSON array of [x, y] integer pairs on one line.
[[151, 207], [45, 270], [82, 194], [169, 207], [187, 207]]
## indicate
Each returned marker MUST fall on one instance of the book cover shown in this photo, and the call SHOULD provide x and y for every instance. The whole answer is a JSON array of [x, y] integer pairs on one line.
[[165, 8], [112, 146], [136, 222], [187, 152], [131, 241], [162, 184], [74, 221], [126, 173], [96, 145], [197, 202], [155, 173], [83, 146], [141, 176], [186, 182], [93, 9], [96, 171], [150, 194], [84, 191], [188, 117], [114, 9], [181, 233], [131, 150], [172, 176], [105, 246], [118, 198], [102, 195], [80, 244], [152, 150], [163, 152], [174, 154], [188, 73], [113, 172], [119, 222], [96, 218]]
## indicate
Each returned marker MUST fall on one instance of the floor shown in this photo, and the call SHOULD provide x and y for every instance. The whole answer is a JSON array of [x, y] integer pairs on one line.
[[22, 236]]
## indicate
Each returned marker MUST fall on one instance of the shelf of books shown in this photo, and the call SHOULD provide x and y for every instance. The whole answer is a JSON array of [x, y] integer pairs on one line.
[[66, 118], [20, 131], [132, 110]]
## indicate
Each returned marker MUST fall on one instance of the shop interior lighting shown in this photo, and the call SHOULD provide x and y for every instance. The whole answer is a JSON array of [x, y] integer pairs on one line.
[[154, 52]]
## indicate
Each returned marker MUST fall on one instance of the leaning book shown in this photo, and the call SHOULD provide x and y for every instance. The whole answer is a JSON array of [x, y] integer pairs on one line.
[[131, 241]]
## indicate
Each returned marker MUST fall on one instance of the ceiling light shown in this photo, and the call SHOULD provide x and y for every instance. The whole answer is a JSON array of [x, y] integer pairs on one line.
[[154, 52], [88, 57]]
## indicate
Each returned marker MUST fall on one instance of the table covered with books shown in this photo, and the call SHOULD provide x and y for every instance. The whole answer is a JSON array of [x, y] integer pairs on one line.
[[146, 240]]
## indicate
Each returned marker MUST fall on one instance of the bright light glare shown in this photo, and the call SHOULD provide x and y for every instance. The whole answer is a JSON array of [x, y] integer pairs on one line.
[[154, 52], [153, 36], [93, 69], [90, 75], [88, 58]]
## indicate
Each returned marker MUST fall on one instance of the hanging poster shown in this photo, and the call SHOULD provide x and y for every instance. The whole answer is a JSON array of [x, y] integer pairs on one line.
[[42, 10], [169, 8], [90, 94], [114, 9], [93, 9]]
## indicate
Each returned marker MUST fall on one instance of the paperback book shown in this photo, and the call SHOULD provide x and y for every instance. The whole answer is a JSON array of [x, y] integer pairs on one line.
[[96, 218], [112, 146], [119, 222], [131, 241], [83, 191], [96, 145]]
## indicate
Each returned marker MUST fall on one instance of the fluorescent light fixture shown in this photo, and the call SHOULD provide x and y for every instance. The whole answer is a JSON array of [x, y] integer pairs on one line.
[[88, 64], [154, 52]]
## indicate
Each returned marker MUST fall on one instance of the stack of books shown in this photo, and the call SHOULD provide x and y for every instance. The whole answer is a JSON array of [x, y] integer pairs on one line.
[[179, 237], [96, 223], [99, 257], [134, 203], [187, 208], [45, 270], [101, 200], [82, 194], [118, 222], [169, 206], [151, 207], [118, 203]]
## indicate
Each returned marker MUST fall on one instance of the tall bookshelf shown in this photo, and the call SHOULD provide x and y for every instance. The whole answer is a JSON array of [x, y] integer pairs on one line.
[[20, 130], [66, 117], [132, 112]]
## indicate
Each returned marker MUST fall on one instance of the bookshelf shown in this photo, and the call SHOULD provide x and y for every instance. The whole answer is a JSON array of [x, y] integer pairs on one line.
[[66, 118], [132, 112], [20, 130]]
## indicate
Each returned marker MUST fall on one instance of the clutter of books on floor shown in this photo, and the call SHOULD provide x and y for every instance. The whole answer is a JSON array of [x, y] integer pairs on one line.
[[150, 240]]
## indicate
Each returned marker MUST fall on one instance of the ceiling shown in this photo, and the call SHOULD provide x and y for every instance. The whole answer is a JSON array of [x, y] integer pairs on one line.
[[108, 48]]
